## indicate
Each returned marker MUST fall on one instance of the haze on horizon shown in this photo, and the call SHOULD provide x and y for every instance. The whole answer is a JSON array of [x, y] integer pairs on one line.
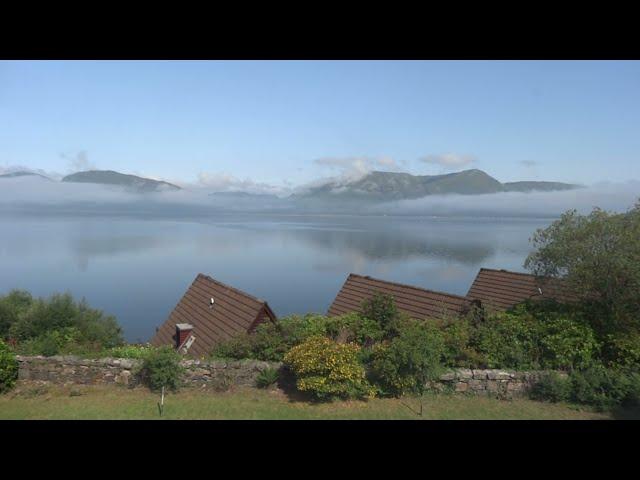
[[274, 126]]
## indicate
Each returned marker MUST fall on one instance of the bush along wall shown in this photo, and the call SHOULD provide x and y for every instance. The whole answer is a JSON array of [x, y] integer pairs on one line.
[[499, 353], [8, 368]]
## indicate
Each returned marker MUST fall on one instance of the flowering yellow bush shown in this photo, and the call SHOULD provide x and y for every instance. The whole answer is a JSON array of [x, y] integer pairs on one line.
[[327, 369]]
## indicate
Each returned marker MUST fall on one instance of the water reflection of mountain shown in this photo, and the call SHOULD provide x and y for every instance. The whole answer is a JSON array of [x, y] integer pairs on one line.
[[399, 245], [465, 243], [86, 248]]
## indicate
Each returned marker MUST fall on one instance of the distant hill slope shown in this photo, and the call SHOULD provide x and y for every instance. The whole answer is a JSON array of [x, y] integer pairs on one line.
[[23, 174], [537, 186], [387, 186], [109, 177]]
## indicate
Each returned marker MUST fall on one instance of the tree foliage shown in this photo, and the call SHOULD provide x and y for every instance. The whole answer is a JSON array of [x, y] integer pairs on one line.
[[8, 367], [599, 256], [57, 324]]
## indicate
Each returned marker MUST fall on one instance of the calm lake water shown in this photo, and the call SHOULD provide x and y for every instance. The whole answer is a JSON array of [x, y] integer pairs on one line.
[[138, 269]]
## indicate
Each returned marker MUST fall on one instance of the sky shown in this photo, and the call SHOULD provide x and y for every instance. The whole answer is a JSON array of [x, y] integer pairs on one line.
[[279, 124]]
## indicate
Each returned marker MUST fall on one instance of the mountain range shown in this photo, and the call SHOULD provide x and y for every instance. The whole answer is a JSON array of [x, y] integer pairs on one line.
[[130, 182], [389, 186], [23, 174], [372, 188]]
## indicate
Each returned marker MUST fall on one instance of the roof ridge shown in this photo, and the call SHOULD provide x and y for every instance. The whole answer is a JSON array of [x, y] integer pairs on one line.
[[259, 300], [508, 271], [446, 294], [502, 270]]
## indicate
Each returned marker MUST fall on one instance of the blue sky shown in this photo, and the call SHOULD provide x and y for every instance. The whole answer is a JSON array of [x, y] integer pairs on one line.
[[288, 123]]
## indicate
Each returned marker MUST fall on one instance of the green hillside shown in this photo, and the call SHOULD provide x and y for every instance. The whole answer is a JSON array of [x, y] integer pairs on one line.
[[109, 177]]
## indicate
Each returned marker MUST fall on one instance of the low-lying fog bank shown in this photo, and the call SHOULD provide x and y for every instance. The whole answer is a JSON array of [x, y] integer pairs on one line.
[[33, 195]]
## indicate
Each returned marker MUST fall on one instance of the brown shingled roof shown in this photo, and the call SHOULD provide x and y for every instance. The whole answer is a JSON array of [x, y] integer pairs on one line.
[[416, 302], [501, 289], [233, 312]]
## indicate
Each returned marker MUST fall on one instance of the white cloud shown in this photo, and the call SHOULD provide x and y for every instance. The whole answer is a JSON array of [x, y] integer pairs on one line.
[[224, 182], [350, 169], [529, 163], [449, 161], [79, 162]]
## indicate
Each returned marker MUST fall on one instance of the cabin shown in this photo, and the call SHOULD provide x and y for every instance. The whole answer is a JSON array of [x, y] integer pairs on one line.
[[208, 313], [499, 290], [417, 303]]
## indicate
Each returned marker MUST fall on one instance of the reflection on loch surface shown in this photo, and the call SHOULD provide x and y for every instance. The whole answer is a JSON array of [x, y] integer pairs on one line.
[[138, 269]]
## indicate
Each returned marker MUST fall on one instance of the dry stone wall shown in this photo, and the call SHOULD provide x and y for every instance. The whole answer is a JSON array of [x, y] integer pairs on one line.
[[220, 374], [488, 382], [74, 370]]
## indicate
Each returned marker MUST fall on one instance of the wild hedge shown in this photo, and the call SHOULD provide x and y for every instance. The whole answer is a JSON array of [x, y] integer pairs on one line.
[[405, 363], [55, 325], [401, 355], [597, 386], [8, 367]]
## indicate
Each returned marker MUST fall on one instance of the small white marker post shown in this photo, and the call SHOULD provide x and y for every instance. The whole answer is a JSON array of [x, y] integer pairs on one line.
[[162, 401]]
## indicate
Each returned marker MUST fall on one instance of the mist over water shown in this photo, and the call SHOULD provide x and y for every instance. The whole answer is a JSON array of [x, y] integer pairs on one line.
[[135, 255]]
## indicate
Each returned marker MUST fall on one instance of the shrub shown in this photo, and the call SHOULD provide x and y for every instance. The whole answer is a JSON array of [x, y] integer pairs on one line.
[[566, 344], [238, 347], [8, 367], [508, 340], [622, 350], [381, 309], [271, 341], [408, 361], [633, 394], [161, 368], [56, 325], [354, 328], [10, 307], [267, 377], [551, 387], [327, 369], [53, 342], [603, 388], [459, 352], [129, 351]]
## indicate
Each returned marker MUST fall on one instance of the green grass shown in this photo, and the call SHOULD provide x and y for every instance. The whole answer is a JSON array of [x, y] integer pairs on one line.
[[114, 402]]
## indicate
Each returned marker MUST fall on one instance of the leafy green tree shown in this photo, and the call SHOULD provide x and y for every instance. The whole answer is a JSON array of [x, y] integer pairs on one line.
[[57, 324], [599, 256], [411, 359], [11, 306], [381, 308]]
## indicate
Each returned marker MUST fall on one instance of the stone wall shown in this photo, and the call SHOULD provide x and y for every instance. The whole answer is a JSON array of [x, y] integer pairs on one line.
[[503, 383], [223, 374], [71, 369], [74, 370]]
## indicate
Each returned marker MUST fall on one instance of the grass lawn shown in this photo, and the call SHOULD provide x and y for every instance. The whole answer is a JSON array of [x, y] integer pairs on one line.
[[114, 402]]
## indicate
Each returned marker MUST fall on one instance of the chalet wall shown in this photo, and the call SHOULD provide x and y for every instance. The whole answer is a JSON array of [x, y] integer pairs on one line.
[[219, 375]]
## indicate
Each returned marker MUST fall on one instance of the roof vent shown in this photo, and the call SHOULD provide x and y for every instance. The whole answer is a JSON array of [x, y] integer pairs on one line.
[[211, 302]]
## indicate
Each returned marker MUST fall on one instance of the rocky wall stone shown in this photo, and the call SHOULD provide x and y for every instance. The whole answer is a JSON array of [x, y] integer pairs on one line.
[[75, 370], [221, 374]]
